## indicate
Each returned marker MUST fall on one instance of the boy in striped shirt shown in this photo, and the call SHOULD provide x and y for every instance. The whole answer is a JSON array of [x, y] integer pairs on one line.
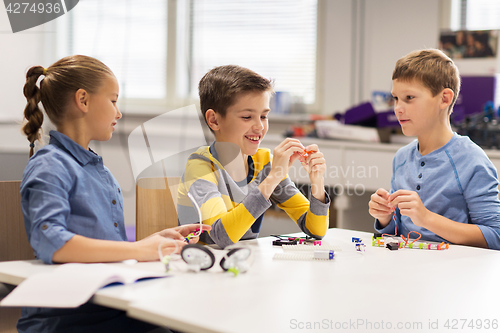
[[234, 181]]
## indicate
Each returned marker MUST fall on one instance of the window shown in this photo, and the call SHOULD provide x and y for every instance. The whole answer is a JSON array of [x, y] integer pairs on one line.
[[276, 38], [475, 14], [128, 36]]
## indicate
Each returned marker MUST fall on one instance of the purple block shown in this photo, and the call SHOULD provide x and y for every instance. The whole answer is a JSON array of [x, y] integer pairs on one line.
[[474, 93], [387, 119], [359, 114]]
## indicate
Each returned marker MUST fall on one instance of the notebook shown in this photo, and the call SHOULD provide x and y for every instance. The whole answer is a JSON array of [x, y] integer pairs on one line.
[[71, 285]]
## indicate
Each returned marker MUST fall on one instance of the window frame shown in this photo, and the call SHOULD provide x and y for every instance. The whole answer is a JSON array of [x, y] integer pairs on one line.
[[172, 100]]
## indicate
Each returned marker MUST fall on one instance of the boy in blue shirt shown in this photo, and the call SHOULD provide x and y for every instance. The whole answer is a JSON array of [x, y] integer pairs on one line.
[[443, 185]]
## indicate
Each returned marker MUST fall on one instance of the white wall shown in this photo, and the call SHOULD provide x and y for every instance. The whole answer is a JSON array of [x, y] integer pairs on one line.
[[19, 51], [377, 31], [336, 61]]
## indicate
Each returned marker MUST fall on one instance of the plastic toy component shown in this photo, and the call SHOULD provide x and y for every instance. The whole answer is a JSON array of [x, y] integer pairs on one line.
[[197, 257], [327, 255], [392, 246], [360, 247], [234, 258], [280, 242], [307, 153]]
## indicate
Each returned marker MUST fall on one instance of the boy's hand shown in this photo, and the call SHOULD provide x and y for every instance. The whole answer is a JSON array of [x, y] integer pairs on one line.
[[380, 206], [313, 162], [410, 205], [283, 157]]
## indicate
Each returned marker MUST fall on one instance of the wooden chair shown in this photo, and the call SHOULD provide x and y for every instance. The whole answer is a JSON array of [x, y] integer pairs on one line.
[[156, 201], [14, 244]]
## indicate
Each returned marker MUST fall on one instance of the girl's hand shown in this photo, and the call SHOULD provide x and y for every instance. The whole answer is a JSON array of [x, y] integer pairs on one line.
[[185, 230], [148, 247]]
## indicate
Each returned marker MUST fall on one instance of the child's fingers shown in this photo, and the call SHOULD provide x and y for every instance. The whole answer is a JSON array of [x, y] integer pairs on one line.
[[399, 193], [171, 233], [309, 157], [383, 193], [380, 197], [379, 213], [401, 197], [289, 142], [317, 164], [170, 247], [293, 158], [189, 228], [313, 148], [379, 207], [194, 240]]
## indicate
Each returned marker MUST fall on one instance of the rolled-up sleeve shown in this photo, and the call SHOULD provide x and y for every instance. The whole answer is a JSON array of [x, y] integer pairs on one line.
[[46, 209]]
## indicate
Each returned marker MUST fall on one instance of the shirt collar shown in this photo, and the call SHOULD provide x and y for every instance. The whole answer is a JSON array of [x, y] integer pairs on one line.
[[81, 155], [440, 149]]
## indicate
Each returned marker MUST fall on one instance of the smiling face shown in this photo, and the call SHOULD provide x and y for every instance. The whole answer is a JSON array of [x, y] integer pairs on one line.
[[245, 123], [103, 112], [418, 112]]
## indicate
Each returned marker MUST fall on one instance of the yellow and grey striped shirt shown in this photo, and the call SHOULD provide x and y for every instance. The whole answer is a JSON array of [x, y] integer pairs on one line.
[[234, 210]]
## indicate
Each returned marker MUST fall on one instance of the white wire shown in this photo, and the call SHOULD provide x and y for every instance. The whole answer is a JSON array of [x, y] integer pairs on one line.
[[199, 214], [172, 255]]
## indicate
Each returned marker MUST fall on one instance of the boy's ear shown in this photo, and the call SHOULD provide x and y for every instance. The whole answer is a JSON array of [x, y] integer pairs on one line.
[[212, 119], [446, 97], [81, 99]]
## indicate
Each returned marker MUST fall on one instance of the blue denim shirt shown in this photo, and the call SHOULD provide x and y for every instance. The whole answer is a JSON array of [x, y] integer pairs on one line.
[[456, 181], [66, 190]]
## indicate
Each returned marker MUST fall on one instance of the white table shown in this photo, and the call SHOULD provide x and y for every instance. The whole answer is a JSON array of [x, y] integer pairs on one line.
[[378, 290]]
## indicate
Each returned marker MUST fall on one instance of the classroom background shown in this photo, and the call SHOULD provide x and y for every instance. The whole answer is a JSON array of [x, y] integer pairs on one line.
[[330, 59]]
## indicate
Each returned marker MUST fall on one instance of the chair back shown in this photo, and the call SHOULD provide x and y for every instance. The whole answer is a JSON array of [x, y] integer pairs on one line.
[[14, 243], [156, 201]]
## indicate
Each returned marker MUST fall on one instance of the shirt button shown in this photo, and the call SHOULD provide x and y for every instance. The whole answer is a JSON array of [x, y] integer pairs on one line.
[[116, 224], [119, 191], [418, 187], [422, 164], [420, 176], [113, 202], [44, 227]]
